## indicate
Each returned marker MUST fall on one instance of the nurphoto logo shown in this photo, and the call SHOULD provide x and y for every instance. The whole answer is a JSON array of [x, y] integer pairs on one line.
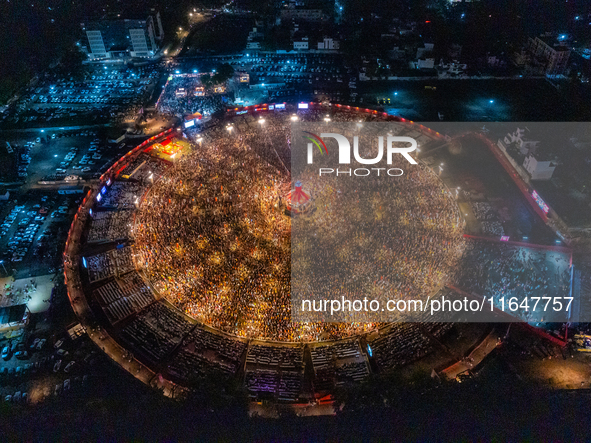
[[344, 152]]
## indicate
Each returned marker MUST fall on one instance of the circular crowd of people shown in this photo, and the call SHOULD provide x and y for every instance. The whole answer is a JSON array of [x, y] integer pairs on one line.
[[215, 239]]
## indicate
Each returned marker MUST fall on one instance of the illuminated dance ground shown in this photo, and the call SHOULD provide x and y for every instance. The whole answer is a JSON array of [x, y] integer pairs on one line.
[[214, 238], [180, 263]]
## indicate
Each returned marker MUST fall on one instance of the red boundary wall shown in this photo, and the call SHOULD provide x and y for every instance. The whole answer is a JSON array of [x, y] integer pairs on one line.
[[523, 187]]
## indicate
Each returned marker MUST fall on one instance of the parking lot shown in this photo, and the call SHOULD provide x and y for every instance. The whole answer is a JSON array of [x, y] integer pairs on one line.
[[100, 94], [33, 231], [38, 367], [58, 155]]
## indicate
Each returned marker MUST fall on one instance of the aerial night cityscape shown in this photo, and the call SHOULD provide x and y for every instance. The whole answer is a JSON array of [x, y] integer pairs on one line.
[[295, 220]]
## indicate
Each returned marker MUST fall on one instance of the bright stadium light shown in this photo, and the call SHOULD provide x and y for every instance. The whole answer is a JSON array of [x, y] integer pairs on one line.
[[294, 118], [261, 120]]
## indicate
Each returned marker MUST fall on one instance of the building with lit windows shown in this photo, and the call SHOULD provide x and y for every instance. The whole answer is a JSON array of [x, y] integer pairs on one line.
[[551, 54], [123, 37]]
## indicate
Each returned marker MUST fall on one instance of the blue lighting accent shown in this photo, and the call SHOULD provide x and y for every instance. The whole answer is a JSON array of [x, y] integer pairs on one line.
[[84, 262], [369, 351]]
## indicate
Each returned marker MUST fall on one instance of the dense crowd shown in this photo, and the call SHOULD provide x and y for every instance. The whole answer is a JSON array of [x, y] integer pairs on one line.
[[214, 238], [387, 238], [172, 104], [501, 270]]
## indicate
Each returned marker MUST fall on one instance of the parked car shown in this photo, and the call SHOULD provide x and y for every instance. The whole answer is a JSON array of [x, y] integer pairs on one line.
[[22, 355], [62, 353], [34, 344]]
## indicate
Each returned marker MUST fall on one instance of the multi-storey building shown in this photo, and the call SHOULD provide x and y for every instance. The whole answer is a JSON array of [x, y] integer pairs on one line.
[[551, 53], [120, 38]]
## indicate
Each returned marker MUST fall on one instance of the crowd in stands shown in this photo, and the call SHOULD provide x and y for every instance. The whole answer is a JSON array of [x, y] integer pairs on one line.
[[203, 352], [337, 364], [100, 266], [401, 344], [122, 195], [123, 296], [110, 226], [284, 357], [155, 331], [269, 384], [116, 262]]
